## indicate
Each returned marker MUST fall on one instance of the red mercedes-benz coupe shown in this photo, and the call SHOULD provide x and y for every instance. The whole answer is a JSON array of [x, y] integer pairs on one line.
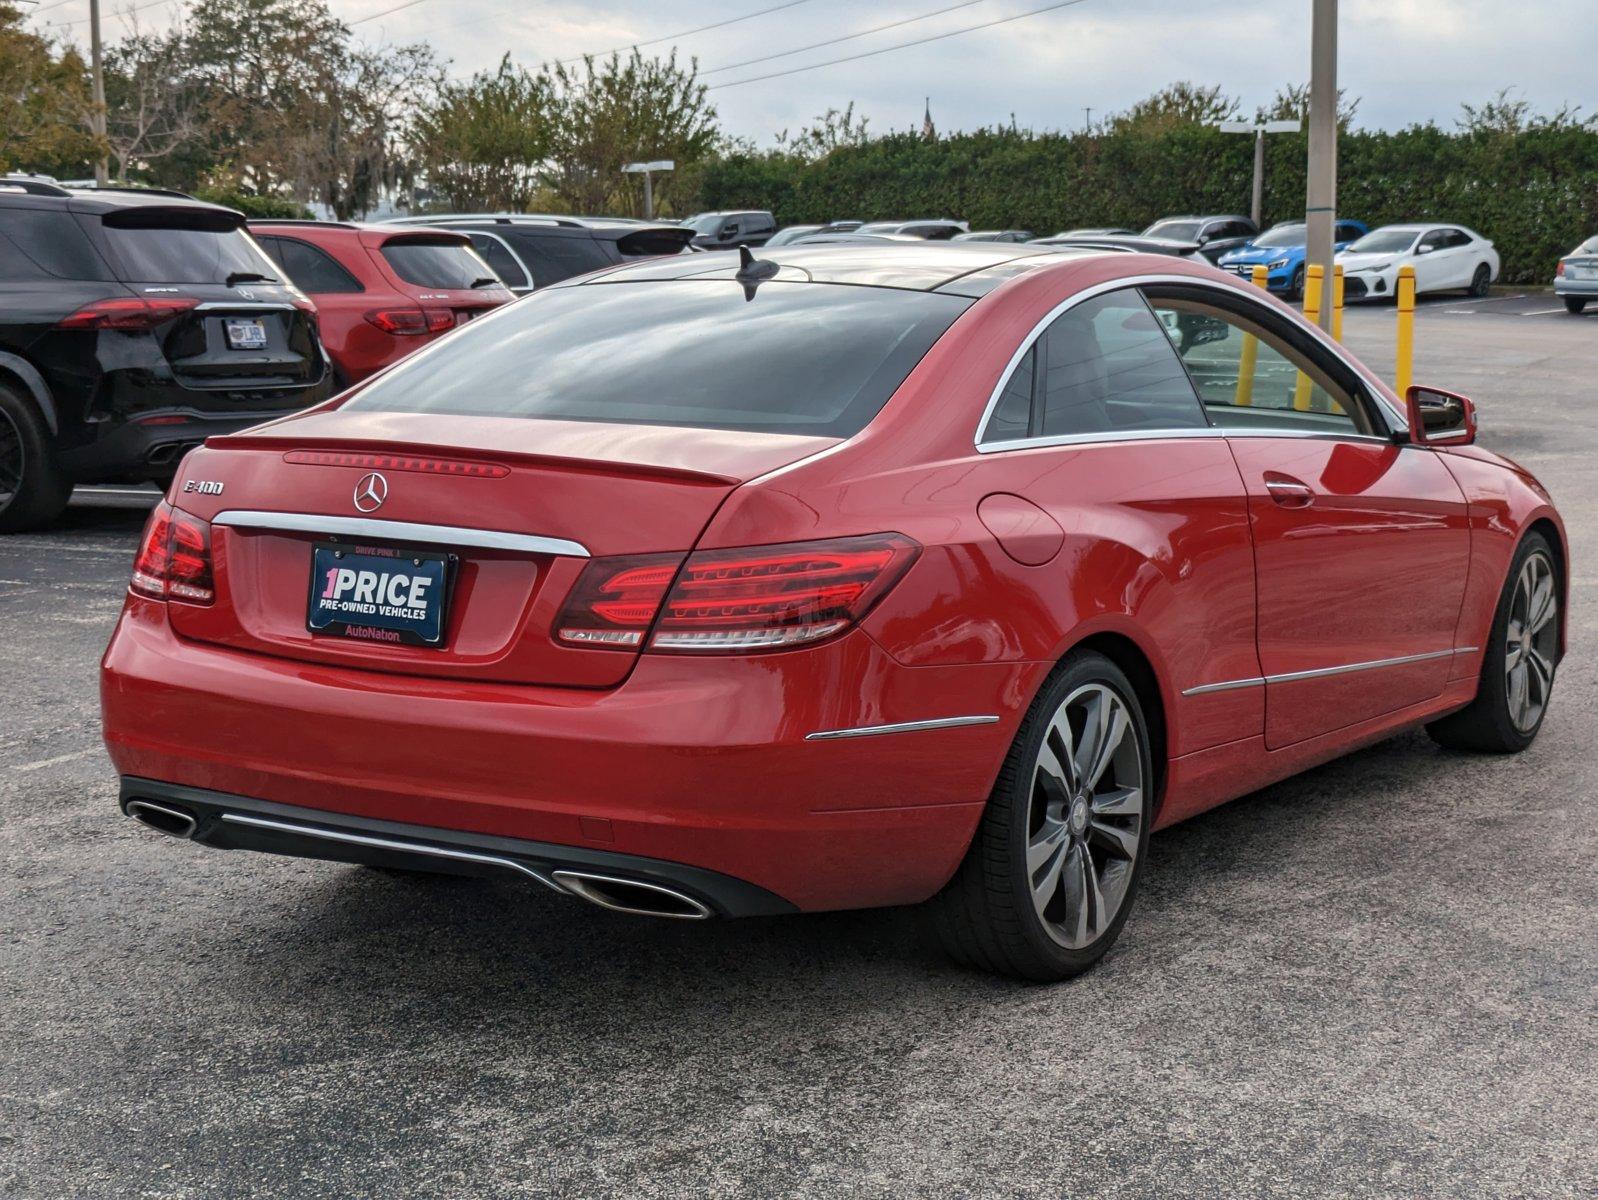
[[847, 576]]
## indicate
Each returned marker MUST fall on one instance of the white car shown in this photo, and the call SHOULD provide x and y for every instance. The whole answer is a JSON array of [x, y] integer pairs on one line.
[[1445, 257], [1576, 277]]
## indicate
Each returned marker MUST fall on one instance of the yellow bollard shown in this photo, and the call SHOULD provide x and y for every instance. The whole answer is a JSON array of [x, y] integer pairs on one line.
[[1405, 371], [1314, 285], [1337, 302], [1250, 354]]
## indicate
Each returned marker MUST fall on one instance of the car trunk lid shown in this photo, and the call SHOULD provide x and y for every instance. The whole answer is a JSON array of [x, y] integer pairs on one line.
[[518, 523]]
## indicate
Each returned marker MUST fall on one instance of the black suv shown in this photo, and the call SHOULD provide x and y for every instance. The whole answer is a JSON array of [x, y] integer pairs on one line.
[[134, 323], [1214, 235], [531, 251], [723, 230]]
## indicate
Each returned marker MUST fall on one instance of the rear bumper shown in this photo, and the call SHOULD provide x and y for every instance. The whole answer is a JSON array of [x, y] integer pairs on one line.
[[1585, 288], [135, 449], [698, 762], [240, 823]]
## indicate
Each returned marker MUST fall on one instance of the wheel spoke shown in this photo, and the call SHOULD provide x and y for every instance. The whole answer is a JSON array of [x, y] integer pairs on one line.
[[1078, 916], [1060, 743], [1517, 691], [1541, 673], [1122, 802], [1118, 841], [1045, 861], [1540, 609], [1106, 726]]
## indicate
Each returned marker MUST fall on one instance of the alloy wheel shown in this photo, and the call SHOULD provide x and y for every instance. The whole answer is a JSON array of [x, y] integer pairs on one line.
[[1084, 826], [11, 460], [1530, 642]]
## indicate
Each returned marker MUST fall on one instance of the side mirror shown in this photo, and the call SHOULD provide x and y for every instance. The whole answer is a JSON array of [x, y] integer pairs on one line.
[[1439, 418], [1424, 249]]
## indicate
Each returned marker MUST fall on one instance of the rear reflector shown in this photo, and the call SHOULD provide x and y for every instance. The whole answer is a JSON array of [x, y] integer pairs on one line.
[[397, 462], [412, 322], [130, 313], [174, 560], [733, 601]]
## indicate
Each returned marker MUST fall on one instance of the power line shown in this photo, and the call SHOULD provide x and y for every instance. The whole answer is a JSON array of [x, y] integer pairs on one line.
[[47, 7], [937, 37], [387, 12], [124, 13], [685, 33], [848, 37]]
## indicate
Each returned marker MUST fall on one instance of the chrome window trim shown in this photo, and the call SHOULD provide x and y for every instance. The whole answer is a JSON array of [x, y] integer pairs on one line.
[[377, 843], [827, 735], [531, 284], [400, 531], [1322, 672], [1395, 420]]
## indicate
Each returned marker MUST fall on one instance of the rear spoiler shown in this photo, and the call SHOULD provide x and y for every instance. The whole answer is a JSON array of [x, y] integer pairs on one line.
[[585, 466], [211, 218], [659, 239]]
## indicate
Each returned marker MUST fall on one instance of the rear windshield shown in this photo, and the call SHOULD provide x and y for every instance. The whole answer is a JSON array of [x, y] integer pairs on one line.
[[798, 358], [175, 255], [448, 265], [1177, 231]]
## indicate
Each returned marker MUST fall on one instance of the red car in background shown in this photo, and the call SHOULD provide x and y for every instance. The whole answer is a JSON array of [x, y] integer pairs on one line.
[[380, 292], [850, 575]]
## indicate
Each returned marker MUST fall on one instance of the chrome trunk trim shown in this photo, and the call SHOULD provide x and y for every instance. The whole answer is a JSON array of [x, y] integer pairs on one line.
[[400, 531]]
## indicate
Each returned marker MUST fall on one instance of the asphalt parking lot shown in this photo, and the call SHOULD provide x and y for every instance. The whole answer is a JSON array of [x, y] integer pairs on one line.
[[1377, 979]]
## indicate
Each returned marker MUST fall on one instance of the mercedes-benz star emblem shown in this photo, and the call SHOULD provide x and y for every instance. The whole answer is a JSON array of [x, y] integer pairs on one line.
[[370, 492]]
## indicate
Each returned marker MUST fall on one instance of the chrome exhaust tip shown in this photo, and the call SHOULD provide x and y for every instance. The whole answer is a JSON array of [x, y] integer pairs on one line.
[[173, 822], [632, 896]]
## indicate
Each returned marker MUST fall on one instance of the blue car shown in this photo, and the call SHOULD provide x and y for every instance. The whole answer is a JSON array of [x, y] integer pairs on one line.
[[1281, 249]]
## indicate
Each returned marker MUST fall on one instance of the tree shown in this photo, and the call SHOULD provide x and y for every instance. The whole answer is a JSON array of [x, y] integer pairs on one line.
[[1174, 105], [43, 94], [482, 144], [619, 111], [832, 129], [1291, 103], [1506, 115], [152, 105]]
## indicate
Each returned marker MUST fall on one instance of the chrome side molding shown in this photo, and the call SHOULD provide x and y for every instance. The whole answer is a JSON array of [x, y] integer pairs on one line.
[[400, 531], [826, 735], [1321, 672]]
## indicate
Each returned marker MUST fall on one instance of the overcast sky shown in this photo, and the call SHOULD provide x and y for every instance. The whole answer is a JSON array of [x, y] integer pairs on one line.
[[1408, 60]]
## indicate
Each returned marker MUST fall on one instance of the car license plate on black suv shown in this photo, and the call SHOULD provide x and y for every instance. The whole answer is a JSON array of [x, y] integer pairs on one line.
[[245, 333], [376, 594]]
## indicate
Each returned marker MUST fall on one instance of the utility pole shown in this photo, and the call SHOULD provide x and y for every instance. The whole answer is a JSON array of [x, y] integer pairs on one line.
[[102, 173], [1087, 120], [1320, 210], [1259, 131]]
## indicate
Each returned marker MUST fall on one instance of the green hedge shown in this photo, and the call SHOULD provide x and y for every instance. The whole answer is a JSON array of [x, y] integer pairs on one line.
[[257, 208], [1535, 194]]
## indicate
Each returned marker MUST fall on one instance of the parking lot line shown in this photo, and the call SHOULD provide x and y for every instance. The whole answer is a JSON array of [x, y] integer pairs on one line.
[[57, 760]]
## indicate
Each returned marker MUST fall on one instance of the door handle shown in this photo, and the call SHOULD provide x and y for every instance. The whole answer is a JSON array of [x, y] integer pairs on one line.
[[1290, 493]]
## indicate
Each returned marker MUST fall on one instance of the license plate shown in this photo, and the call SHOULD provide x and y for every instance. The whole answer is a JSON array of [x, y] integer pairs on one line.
[[377, 594], [244, 333]]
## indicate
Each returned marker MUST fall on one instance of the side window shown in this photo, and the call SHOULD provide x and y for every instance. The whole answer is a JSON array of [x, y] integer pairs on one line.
[[1436, 239], [1455, 237], [1012, 415], [1347, 233], [497, 255], [1106, 365], [311, 268], [1250, 377], [43, 243]]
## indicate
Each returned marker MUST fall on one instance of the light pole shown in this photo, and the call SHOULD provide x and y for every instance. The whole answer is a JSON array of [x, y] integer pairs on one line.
[[102, 173], [1320, 208], [647, 170], [1259, 130]]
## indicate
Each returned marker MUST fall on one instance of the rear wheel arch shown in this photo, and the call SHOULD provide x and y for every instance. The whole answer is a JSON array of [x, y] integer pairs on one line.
[[24, 377]]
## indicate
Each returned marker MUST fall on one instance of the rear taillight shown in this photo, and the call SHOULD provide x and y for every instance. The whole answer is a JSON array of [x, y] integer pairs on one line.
[[412, 322], [174, 561], [1559, 269], [729, 601], [128, 313]]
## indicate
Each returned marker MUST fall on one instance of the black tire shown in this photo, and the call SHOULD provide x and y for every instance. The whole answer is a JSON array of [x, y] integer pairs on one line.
[[1482, 281], [1487, 725], [986, 917], [1295, 289], [1575, 305], [33, 491]]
